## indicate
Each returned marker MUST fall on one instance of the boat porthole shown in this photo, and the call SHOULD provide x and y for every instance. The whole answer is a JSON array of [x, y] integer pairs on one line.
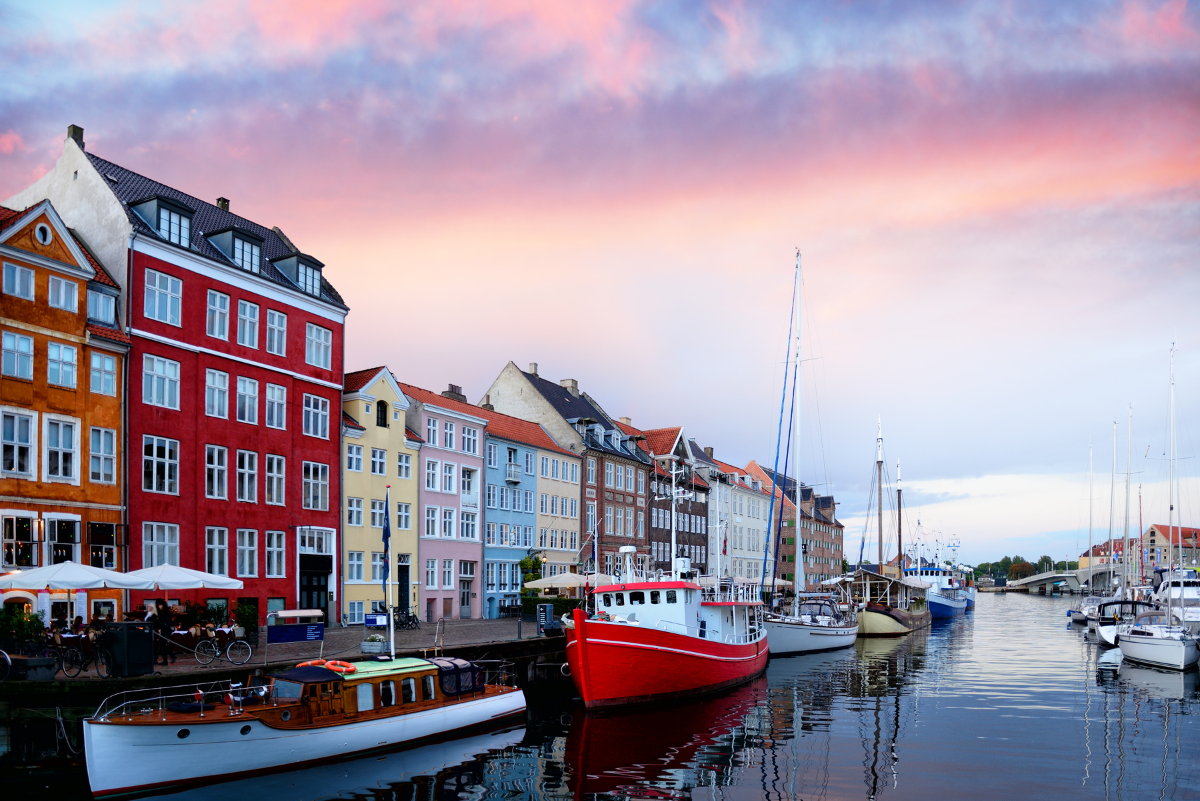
[[245, 730], [285, 716], [183, 733]]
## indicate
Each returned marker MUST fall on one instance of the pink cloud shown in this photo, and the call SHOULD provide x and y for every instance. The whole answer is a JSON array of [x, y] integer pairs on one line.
[[1158, 25], [11, 142]]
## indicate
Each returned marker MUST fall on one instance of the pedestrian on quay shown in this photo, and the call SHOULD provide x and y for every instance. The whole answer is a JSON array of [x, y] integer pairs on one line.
[[166, 627]]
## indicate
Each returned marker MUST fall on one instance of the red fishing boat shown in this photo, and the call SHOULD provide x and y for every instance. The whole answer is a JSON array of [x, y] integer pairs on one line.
[[661, 639]]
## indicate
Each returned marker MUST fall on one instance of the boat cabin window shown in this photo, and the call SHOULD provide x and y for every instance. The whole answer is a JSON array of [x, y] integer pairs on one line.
[[408, 689], [637, 598], [288, 689], [671, 596], [620, 599], [366, 697], [608, 599], [387, 693], [655, 596], [427, 692]]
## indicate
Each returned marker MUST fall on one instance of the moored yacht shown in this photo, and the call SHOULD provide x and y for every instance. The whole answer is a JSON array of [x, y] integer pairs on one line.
[[170, 737], [1182, 587], [1116, 618], [1085, 608], [816, 622]]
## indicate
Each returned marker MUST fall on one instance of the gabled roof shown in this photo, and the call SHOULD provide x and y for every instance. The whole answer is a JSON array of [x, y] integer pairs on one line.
[[353, 382], [515, 429], [574, 407], [411, 435], [104, 332], [129, 187], [7, 216], [433, 399], [661, 441], [350, 422], [102, 276]]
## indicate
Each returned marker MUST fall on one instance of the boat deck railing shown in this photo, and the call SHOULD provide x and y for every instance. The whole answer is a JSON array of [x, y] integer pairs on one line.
[[497, 672], [712, 634], [159, 700]]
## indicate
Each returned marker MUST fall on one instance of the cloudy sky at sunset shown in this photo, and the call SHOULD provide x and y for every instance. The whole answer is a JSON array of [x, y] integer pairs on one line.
[[997, 206]]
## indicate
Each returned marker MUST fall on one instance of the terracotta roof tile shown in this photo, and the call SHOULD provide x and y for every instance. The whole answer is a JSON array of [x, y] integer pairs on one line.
[[104, 332], [102, 276], [7, 215], [660, 441], [353, 382], [517, 430], [429, 397], [412, 435], [347, 420]]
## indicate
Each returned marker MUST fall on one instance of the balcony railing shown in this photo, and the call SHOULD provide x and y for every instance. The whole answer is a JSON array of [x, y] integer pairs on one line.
[[513, 473]]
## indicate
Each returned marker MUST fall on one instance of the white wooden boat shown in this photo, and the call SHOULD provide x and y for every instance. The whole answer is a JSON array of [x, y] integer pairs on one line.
[[816, 623], [212, 732]]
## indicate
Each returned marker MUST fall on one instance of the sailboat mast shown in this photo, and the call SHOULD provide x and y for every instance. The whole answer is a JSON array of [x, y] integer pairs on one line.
[[899, 523], [1091, 506], [1125, 544], [1170, 490], [801, 580], [879, 482], [1112, 501]]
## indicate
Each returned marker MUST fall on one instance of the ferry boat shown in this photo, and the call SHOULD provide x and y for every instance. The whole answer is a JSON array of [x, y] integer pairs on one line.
[[664, 638], [210, 732]]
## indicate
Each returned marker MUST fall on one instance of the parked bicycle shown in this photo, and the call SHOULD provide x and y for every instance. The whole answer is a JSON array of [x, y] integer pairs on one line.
[[77, 659], [238, 651], [408, 621]]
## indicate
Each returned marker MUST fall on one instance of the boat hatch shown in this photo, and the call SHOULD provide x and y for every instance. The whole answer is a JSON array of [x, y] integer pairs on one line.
[[458, 676]]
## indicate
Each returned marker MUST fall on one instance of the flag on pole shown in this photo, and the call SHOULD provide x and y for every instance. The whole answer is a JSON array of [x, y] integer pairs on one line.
[[387, 534]]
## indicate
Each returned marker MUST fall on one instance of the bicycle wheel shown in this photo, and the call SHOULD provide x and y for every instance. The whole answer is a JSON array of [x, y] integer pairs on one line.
[[5, 666], [72, 663], [206, 651], [103, 663], [239, 652]]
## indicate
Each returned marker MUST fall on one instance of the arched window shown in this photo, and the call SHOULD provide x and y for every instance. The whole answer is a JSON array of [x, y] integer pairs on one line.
[[381, 415]]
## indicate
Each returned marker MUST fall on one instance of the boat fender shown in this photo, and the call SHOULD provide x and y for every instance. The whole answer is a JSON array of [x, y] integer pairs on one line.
[[340, 667], [312, 662]]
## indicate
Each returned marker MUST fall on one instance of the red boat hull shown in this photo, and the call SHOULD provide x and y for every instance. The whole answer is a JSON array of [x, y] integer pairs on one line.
[[617, 665]]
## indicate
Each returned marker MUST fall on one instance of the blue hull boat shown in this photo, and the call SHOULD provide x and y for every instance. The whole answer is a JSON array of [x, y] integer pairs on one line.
[[945, 606]]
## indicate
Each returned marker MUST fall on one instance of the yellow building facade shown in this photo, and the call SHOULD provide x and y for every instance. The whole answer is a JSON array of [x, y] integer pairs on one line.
[[378, 453]]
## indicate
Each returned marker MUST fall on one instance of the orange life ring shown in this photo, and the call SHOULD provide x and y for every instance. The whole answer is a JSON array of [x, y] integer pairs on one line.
[[316, 662], [340, 667]]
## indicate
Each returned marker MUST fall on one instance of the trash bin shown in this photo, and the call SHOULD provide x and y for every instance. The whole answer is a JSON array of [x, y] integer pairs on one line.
[[132, 648]]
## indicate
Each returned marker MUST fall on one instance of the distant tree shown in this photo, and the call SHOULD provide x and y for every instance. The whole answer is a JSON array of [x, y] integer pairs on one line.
[[982, 569], [1066, 565], [1045, 564], [1004, 564], [1020, 570], [845, 566]]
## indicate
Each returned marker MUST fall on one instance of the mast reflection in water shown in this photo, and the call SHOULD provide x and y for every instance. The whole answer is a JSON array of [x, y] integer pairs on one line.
[[1011, 700]]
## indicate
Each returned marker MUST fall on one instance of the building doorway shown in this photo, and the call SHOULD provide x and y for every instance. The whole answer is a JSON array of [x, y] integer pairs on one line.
[[430, 605], [402, 583], [464, 599], [315, 570], [448, 607]]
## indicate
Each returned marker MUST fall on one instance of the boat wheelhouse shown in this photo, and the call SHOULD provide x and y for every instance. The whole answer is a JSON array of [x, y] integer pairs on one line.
[[214, 731], [1115, 618], [889, 606], [947, 595], [1182, 587], [816, 622]]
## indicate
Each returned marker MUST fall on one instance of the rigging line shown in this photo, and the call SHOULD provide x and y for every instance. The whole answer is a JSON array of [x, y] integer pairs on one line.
[[778, 434], [816, 395], [783, 496]]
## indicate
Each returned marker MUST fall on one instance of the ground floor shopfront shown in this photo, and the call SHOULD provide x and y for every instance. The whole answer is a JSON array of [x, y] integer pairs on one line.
[[449, 579]]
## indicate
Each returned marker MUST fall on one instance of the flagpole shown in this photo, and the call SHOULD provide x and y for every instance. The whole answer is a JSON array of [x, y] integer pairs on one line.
[[387, 572]]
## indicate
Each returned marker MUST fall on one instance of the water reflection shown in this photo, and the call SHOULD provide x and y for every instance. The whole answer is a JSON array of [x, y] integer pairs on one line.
[[1008, 699]]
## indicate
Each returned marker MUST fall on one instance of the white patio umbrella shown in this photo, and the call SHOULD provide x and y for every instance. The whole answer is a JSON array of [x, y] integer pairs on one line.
[[71, 576], [173, 577], [568, 580]]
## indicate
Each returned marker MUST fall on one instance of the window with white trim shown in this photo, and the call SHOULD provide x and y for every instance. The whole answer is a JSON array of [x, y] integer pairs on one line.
[[160, 544], [404, 516], [468, 481], [174, 227], [216, 393], [431, 574], [354, 566], [431, 431], [104, 374], [60, 365], [247, 333], [164, 297], [18, 281], [101, 306], [276, 554], [318, 346], [247, 400], [247, 476], [591, 517], [403, 465], [247, 552], [449, 478], [641, 482], [160, 382], [64, 294], [431, 521], [448, 435], [315, 486], [448, 522], [309, 279], [276, 406], [377, 565], [247, 255], [102, 442], [554, 468], [354, 511], [378, 461], [470, 440], [160, 464], [60, 449], [216, 322], [316, 416], [216, 550], [493, 455], [18, 436], [276, 475], [530, 458], [276, 333], [447, 574], [17, 355], [432, 468], [354, 457], [216, 472], [529, 501]]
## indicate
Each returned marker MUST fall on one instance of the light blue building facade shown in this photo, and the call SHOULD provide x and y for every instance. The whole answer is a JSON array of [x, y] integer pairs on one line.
[[510, 517]]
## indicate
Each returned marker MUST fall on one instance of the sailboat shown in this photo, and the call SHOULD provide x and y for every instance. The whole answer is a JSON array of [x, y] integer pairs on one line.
[[816, 622], [1155, 638], [1087, 606]]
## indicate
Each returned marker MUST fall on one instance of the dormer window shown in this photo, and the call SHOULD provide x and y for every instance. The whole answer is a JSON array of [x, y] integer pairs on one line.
[[174, 227], [101, 307], [309, 279], [246, 254]]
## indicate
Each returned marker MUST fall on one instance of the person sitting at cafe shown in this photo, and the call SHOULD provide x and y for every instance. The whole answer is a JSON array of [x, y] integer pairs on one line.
[[77, 627]]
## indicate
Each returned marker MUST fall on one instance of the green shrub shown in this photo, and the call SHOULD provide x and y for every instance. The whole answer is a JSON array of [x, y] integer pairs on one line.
[[18, 626]]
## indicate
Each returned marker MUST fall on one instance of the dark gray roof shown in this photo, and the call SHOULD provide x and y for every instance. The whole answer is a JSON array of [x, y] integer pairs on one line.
[[698, 453], [130, 187], [571, 408]]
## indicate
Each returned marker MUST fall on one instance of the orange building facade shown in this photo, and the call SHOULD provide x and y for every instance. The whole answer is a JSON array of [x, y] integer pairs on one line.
[[62, 381]]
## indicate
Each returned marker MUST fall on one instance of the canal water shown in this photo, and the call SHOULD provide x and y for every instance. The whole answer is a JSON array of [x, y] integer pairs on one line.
[[1012, 700]]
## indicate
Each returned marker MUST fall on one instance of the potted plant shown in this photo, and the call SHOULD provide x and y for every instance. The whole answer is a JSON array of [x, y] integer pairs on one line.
[[374, 644]]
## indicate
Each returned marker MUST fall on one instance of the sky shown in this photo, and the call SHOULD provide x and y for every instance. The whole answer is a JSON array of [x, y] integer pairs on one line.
[[995, 203]]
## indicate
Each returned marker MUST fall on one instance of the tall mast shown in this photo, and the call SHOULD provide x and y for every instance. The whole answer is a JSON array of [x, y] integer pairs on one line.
[[1141, 539], [1112, 500], [1125, 544], [801, 581], [1170, 490], [879, 481], [674, 503], [1091, 506], [899, 523]]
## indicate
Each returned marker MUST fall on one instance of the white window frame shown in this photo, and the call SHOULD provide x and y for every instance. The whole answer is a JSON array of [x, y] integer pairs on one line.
[[216, 472], [354, 511], [247, 333], [64, 294], [247, 410], [470, 440], [276, 550], [18, 280], [216, 550], [276, 333], [174, 227], [216, 393], [378, 513], [404, 516], [170, 467], [247, 254], [318, 346], [247, 476], [403, 465], [315, 486], [18, 356], [378, 461], [354, 566], [160, 382], [247, 553], [52, 423], [354, 457], [167, 291], [276, 483], [160, 544], [216, 320], [276, 407], [316, 416], [103, 374], [105, 456], [65, 358], [32, 455]]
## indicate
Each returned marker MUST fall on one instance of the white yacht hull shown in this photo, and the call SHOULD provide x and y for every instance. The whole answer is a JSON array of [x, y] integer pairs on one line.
[[125, 758], [790, 636], [1176, 654]]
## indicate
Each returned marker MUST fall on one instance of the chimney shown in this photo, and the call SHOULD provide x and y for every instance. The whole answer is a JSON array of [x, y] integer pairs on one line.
[[533, 368], [627, 421], [455, 393], [570, 385], [75, 132], [708, 452], [223, 203], [487, 403]]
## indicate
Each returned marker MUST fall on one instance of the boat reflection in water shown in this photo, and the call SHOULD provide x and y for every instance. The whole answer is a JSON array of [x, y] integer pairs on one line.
[[441, 770]]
